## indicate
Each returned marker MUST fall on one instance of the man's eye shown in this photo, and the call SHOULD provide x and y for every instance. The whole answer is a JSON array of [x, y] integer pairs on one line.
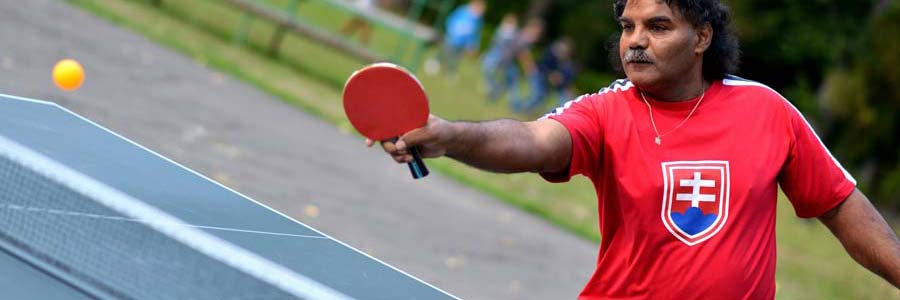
[[658, 28], [627, 27]]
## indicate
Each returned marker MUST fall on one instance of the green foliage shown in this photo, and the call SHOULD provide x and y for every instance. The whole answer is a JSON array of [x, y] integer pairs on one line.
[[591, 24], [891, 184], [591, 82], [785, 42], [863, 102]]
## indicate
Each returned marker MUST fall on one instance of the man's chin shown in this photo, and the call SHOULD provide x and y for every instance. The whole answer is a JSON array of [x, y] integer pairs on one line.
[[640, 77], [636, 68]]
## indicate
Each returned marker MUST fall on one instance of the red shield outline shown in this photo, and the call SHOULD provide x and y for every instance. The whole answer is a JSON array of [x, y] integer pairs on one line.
[[675, 174]]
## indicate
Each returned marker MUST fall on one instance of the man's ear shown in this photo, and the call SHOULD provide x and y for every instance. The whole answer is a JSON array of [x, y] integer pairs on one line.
[[704, 38]]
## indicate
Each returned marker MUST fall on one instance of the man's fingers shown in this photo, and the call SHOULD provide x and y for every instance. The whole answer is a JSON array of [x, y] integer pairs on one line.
[[391, 148], [402, 158], [421, 137], [388, 147]]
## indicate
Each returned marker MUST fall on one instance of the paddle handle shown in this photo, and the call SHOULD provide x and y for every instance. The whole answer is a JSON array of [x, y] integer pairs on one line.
[[417, 166]]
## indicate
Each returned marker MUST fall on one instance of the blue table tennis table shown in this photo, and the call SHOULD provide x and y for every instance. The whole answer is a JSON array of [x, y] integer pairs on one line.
[[88, 214]]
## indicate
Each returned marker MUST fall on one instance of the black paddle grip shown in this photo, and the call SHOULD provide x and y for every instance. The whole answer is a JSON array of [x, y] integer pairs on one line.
[[417, 166]]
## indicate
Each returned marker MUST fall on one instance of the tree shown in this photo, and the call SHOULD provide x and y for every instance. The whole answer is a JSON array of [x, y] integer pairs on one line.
[[862, 102]]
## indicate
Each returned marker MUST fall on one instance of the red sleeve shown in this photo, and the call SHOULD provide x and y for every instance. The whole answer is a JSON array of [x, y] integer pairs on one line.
[[581, 119], [813, 180]]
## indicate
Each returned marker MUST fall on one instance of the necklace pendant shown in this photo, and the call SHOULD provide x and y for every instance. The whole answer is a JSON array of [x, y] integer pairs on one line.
[[658, 140]]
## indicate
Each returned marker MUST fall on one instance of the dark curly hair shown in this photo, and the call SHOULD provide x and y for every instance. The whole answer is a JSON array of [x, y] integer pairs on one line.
[[724, 53]]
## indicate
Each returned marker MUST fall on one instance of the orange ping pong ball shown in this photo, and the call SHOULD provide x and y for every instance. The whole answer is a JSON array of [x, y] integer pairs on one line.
[[68, 74]]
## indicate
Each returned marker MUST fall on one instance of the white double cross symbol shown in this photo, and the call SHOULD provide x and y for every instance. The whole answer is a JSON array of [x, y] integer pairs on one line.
[[695, 197]]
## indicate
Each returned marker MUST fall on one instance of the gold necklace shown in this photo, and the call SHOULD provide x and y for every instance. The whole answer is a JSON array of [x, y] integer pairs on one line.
[[658, 139]]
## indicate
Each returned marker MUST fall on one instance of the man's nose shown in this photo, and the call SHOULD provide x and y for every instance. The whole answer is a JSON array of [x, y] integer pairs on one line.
[[638, 39]]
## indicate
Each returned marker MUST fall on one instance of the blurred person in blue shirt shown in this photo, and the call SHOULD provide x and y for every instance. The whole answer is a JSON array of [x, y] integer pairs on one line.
[[463, 33], [555, 72]]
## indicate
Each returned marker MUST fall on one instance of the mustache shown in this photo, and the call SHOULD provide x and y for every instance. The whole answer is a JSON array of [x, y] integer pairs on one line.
[[637, 55]]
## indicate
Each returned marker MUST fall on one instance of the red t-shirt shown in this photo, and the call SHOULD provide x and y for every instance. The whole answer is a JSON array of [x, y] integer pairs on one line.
[[694, 217]]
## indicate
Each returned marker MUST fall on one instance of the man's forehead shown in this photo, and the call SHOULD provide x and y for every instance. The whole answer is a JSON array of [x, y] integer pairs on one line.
[[646, 9], [644, 2]]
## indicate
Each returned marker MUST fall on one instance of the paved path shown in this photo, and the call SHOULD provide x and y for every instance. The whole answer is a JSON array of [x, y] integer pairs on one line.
[[447, 234]]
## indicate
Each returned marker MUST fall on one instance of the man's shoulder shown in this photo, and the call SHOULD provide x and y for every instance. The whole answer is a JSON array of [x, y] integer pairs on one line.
[[755, 96], [616, 90], [617, 85], [749, 88], [612, 94]]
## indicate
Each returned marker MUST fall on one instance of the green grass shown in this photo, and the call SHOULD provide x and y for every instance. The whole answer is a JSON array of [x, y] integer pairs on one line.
[[812, 265]]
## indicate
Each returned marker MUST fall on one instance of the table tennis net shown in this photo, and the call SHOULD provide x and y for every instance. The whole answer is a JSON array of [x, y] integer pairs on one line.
[[112, 246]]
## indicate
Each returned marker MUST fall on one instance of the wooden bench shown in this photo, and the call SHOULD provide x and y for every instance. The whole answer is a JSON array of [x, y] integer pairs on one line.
[[286, 22]]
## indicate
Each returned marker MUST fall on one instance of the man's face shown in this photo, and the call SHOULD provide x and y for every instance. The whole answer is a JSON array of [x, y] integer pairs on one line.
[[658, 47], [478, 7], [532, 33]]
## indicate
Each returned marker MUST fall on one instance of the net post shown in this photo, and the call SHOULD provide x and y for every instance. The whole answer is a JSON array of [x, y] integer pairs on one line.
[[412, 17], [442, 10], [278, 36], [243, 29]]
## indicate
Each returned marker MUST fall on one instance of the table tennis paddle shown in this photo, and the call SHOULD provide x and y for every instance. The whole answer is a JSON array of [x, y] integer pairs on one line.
[[384, 101]]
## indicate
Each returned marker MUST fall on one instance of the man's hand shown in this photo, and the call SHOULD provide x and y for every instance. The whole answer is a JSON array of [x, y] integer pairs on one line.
[[433, 141], [555, 78], [472, 54]]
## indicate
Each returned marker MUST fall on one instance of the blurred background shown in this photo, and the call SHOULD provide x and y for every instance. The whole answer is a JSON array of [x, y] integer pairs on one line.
[[836, 60]]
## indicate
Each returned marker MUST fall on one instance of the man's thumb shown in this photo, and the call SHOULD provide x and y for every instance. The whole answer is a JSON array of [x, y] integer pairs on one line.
[[411, 139]]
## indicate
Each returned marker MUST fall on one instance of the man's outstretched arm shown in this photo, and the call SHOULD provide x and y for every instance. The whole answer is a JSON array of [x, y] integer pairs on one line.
[[506, 146], [866, 236]]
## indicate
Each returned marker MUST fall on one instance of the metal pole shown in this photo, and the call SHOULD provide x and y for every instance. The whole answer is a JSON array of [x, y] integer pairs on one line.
[[419, 54], [278, 35], [411, 18]]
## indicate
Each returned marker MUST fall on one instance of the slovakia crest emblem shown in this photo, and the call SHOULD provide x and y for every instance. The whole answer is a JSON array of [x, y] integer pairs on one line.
[[695, 199]]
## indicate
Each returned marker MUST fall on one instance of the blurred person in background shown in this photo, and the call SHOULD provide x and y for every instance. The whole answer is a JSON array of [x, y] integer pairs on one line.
[[555, 72], [514, 59], [503, 38], [686, 160], [358, 23], [463, 34]]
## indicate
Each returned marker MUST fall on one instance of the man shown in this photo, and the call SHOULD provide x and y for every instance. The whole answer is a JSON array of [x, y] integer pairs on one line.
[[463, 33], [515, 55], [686, 161], [504, 37], [555, 72]]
